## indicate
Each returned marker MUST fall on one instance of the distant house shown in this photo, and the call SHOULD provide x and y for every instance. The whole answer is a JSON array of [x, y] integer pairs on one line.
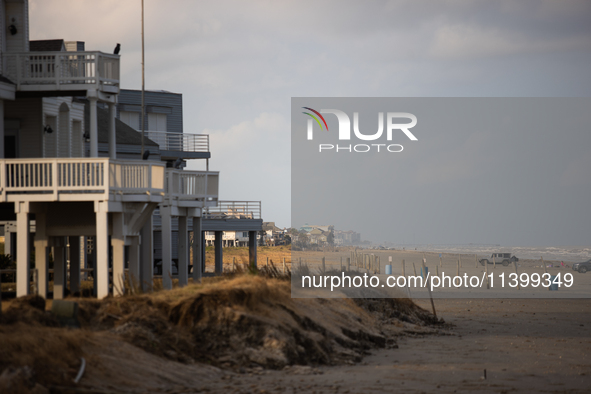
[[319, 235], [347, 237]]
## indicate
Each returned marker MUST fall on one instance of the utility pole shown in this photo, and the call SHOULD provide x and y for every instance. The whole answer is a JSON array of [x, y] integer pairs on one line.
[[143, 82]]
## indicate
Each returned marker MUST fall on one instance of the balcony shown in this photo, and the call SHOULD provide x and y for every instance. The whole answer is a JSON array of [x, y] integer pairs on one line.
[[63, 71], [81, 179], [181, 145], [192, 188], [233, 216]]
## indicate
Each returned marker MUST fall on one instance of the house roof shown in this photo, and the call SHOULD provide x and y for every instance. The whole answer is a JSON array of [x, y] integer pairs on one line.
[[124, 134], [269, 226], [47, 45], [5, 80]]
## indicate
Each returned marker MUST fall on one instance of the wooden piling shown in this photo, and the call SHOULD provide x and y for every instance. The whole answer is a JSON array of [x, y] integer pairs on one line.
[[429, 287], [516, 273], [323, 265]]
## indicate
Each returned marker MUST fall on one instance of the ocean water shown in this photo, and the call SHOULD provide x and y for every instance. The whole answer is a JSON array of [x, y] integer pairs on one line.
[[558, 253]]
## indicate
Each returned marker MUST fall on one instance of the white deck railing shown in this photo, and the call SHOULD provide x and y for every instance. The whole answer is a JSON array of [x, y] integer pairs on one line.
[[180, 142], [62, 70], [84, 179], [234, 210], [192, 185]]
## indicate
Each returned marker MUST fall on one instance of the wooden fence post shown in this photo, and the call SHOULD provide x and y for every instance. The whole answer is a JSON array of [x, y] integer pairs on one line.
[[428, 286], [516, 273], [487, 281]]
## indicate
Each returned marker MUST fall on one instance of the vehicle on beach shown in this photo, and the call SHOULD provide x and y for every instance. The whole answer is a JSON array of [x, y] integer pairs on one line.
[[499, 258], [582, 267]]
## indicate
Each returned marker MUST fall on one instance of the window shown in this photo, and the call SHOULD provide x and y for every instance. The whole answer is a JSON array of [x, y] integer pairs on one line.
[[131, 119], [156, 122]]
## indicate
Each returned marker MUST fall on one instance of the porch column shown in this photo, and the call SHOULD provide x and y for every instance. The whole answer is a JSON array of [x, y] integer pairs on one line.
[[166, 247], [41, 253], [84, 259], [1, 129], [59, 268], [197, 246], [118, 244], [183, 251], [93, 259], [147, 256], [134, 262], [219, 254], [22, 248], [112, 134], [102, 248], [252, 248], [74, 243], [93, 127]]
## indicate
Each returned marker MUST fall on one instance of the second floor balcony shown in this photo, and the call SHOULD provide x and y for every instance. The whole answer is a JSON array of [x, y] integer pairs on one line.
[[180, 145], [63, 71], [192, 188], [103, 179]]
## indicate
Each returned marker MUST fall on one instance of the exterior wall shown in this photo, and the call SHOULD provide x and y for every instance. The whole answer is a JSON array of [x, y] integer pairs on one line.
[[161, 102], [17, 14], [2, 35], [28, 112], [67, 139]]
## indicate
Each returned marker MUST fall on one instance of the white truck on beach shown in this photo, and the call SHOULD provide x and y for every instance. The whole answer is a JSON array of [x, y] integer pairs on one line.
[[499, 258]]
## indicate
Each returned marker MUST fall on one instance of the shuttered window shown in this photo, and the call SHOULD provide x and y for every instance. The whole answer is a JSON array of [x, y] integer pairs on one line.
[[131, 119], [156, 122]]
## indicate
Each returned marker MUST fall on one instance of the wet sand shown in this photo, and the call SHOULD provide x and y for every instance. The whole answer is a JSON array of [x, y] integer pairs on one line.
[[524, 345]]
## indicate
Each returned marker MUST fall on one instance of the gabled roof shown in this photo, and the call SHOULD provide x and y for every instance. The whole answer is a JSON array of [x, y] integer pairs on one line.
[[47, 45], [5, 80]]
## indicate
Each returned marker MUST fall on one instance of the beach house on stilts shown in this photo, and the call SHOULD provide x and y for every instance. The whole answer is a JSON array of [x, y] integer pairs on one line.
[[71, 171]]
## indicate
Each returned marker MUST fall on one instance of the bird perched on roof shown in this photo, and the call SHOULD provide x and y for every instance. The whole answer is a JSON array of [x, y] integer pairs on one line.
[[117, 49]]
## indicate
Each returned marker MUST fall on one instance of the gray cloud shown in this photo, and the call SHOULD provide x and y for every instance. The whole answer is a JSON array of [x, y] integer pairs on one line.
[[238, 63]]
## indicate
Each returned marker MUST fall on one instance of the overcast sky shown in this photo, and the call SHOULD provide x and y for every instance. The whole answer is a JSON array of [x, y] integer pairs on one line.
[[238, 63]]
